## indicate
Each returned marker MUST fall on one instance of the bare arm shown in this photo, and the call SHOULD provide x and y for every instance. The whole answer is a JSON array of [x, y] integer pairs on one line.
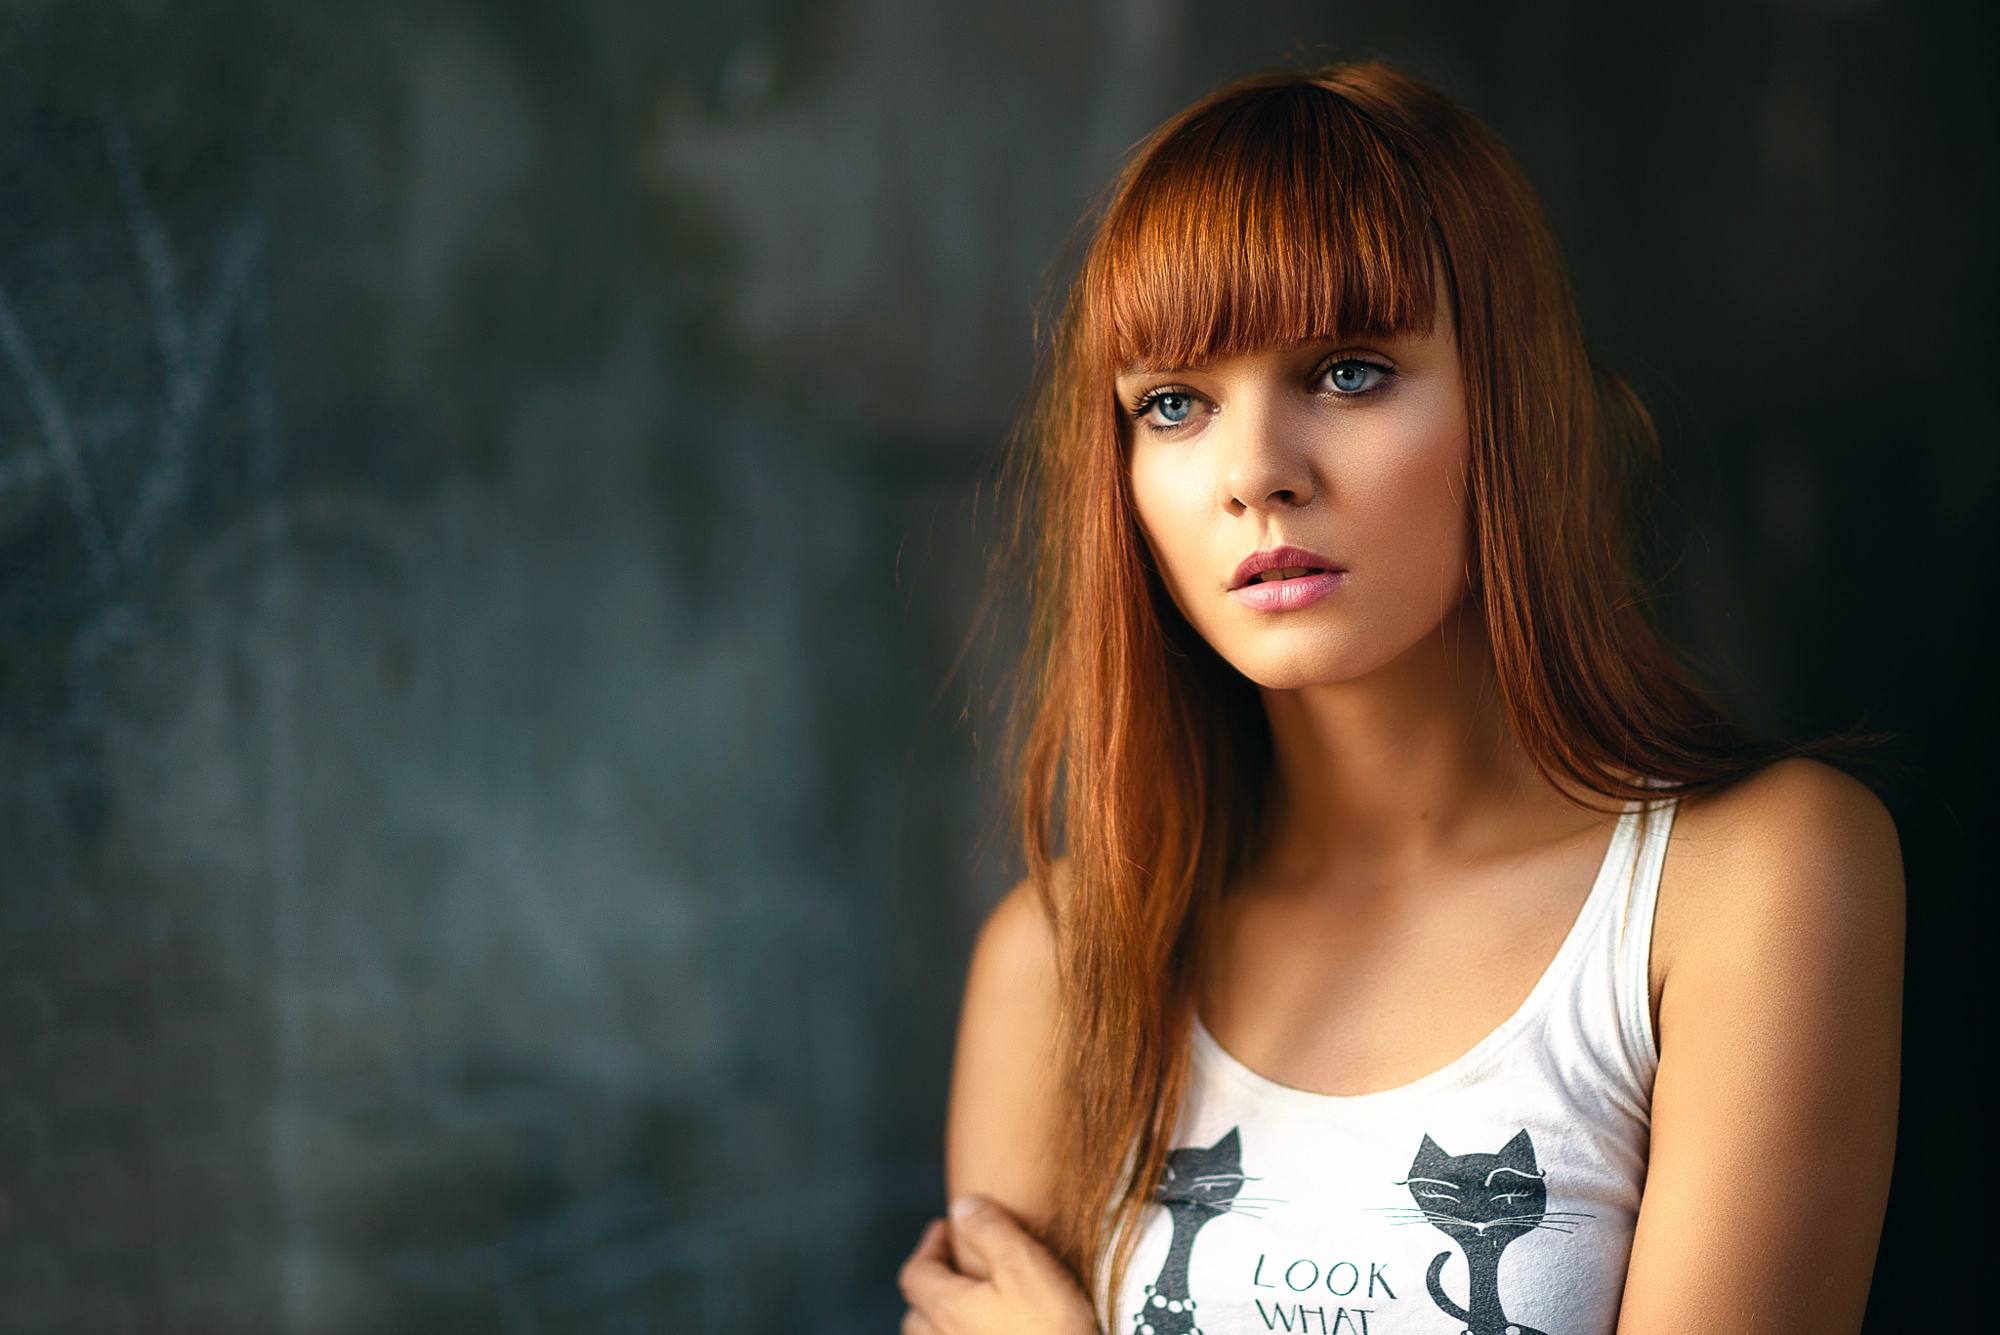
[[986, 1273], [1777, 969], [1000, 1133]]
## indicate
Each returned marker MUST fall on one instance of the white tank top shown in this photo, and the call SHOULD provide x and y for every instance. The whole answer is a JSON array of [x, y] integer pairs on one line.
[[1496, 1196]]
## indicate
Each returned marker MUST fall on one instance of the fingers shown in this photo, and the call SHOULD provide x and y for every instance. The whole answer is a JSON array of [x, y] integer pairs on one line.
[[966, 1256], [927, 1278], [988, 1239], [935, 1242], [1028, 1289], [1037, 1291]]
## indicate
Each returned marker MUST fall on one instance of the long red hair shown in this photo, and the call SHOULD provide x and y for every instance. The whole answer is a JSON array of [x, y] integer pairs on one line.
[[1286, 208]]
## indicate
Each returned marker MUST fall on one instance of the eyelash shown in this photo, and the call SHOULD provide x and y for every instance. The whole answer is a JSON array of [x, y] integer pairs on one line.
[[1141, 407], [1326, 368]]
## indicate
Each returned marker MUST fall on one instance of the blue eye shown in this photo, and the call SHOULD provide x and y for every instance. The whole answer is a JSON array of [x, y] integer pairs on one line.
[[1350, 376], [1171, 407]]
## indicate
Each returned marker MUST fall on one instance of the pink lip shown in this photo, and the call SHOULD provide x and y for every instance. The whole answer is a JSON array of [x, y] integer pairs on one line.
[[1284, 595]]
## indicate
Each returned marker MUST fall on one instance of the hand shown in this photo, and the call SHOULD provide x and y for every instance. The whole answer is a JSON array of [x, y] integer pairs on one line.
[[1005, 1283]]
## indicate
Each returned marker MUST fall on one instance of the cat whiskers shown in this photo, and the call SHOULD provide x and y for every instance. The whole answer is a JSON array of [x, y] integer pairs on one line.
[[1253, 1206], [1534, 1221], [1410, 1215], [1556, 1221]]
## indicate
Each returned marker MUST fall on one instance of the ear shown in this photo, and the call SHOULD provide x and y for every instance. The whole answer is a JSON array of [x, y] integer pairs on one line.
[[1229, 1147], [1519, 1152], [1429, 1155]]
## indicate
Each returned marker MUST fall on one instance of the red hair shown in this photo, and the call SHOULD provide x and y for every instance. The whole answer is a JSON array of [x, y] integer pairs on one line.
[[1286, 208]]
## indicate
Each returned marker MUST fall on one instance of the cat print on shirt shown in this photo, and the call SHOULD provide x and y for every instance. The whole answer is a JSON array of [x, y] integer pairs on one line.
[[1197, 1185], [1482, 1202]]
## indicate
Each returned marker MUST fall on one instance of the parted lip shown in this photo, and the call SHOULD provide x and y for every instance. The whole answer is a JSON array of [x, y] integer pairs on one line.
[[1279, 558]]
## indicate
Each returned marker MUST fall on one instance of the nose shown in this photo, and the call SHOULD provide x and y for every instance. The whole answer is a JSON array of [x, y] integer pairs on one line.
[[1265, 467]]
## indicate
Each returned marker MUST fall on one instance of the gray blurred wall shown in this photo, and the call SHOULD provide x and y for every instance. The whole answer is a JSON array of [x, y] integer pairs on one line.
[[491, 498]]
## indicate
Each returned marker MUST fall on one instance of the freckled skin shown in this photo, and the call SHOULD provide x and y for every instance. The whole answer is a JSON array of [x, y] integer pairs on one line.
[[1270, 453]]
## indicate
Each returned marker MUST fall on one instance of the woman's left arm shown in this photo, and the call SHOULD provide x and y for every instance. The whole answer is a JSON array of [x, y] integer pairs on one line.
[[1777, 978]]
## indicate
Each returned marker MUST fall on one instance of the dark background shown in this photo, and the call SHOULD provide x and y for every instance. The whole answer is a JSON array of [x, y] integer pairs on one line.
[[490, 498]]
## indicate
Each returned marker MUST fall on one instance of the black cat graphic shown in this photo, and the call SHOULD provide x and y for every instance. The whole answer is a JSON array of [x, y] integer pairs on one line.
[[1482, 1202], [1197, 1185]]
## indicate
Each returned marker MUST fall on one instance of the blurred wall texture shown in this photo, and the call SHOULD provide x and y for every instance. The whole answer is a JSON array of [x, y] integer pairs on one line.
[[491, 497]]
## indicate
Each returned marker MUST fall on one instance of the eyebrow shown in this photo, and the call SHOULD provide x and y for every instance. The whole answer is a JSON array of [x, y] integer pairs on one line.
[[1329, 342], [1532, 1177]]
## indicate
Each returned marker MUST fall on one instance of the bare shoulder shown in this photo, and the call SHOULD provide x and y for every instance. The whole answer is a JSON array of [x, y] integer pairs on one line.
[[1798, 849], [1004, 1093], [1018, 940], [1777, 994], [1783, 889], [1789, 802]]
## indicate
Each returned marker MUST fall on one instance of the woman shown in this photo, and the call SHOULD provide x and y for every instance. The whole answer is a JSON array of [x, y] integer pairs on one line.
[[1424, 952]]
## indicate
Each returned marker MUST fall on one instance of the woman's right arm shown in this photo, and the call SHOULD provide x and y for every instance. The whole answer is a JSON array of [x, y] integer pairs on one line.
[[1001, 1132], [985, 1275]]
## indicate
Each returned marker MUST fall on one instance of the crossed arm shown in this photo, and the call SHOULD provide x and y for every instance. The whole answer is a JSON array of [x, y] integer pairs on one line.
[[1777, 983]]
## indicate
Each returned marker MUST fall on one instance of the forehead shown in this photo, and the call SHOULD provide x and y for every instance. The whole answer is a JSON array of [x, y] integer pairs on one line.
[[1280, 219], [1411, 344]]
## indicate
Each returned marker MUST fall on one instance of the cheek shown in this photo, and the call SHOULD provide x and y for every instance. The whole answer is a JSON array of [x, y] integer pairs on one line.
[[1177, 514], [1408, 514]]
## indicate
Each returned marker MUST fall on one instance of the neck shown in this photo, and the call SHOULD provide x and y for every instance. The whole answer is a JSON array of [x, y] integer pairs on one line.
[[1187, 1221], [1409, 762]]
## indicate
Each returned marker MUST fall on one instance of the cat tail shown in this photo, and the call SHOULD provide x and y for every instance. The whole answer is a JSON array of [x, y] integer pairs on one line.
[[1437, 1290]]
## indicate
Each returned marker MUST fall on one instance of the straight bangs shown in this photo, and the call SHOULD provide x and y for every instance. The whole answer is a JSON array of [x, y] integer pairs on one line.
[[1281, 216]]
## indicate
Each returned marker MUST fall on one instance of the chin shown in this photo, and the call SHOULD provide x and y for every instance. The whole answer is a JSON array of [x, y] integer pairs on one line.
[[1295, 667], [1296, 660]]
